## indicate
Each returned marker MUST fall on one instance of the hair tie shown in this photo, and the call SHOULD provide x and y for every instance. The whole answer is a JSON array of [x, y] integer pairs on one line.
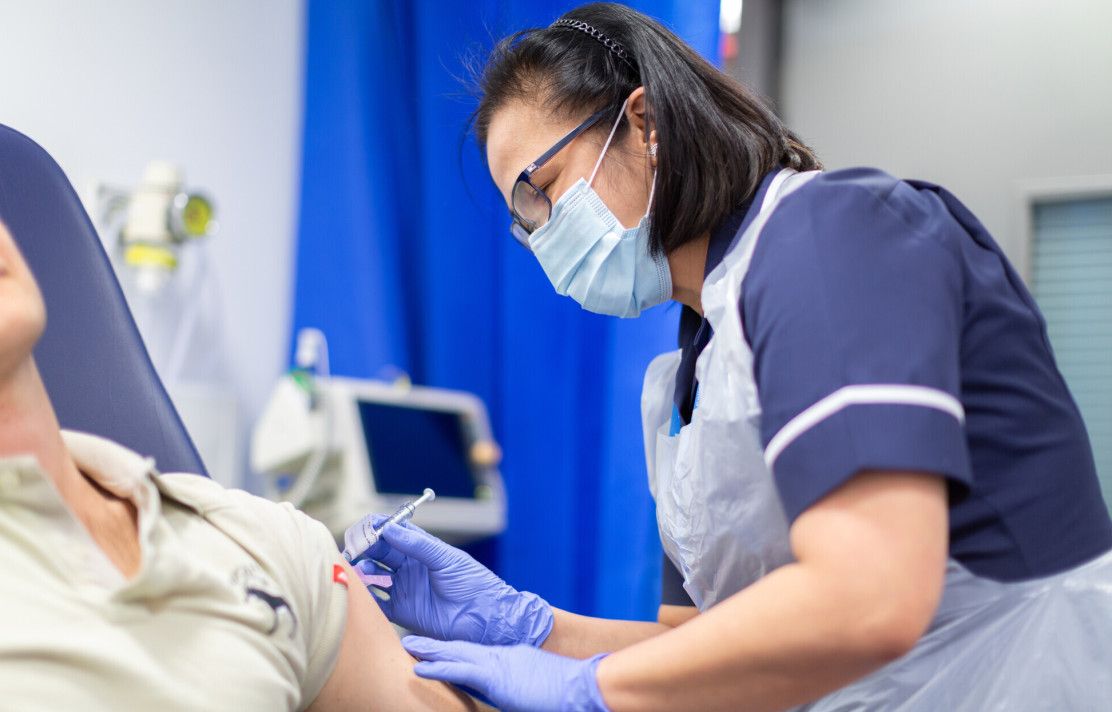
[[616, 49]]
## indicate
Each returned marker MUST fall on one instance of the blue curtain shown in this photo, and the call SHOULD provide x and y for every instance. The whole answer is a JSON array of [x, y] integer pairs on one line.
[[404, 259]]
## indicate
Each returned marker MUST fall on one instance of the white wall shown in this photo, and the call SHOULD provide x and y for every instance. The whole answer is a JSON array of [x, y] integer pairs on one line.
[[212, 85], [974, 94]]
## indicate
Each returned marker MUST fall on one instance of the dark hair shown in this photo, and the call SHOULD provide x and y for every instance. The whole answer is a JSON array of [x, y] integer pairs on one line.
[[716, 138]]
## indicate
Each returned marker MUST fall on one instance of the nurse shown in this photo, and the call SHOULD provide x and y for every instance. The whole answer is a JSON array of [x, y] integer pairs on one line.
[[869, 474]]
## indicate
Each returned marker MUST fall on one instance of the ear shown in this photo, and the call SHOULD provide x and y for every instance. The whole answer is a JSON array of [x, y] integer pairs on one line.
[[636, 112]]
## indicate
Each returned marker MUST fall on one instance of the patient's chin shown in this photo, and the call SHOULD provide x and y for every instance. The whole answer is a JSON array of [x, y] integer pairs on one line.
[[22, 321]]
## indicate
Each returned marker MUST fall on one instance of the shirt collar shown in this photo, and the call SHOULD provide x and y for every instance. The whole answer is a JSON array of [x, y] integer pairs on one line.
[[725, 235], [114, 467], [722, 239], [117, 469]]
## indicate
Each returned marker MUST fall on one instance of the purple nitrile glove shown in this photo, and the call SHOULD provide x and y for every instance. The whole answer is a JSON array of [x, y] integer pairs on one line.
[[441, 592], [515, 678]]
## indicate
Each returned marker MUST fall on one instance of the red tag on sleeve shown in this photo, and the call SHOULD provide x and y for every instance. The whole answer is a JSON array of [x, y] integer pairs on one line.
[[339, 575]]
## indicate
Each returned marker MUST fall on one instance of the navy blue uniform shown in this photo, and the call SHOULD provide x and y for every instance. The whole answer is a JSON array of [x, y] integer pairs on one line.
[[889, 332]]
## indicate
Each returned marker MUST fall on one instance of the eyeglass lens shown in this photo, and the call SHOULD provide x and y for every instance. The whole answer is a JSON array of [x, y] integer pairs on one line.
[[530, 205]]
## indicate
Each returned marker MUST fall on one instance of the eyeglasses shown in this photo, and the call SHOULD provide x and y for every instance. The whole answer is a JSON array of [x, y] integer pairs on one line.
[[530, 208]]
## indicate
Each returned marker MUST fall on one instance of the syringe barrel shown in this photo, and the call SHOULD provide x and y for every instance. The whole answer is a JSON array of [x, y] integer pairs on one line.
[[362, 535], [359, 537]]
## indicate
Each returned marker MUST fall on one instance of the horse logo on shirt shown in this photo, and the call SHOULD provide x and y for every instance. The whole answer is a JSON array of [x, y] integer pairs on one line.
[[277, 605], [258, 587]]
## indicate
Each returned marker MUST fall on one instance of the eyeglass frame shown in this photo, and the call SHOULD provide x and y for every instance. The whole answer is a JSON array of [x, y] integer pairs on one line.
[[519, 225]]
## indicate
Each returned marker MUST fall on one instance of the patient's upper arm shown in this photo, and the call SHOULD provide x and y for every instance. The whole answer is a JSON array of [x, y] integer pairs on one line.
[[373, 672], [353, 658]]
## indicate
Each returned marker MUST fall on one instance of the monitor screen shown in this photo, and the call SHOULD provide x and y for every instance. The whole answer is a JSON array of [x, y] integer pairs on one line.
[[413, 448]]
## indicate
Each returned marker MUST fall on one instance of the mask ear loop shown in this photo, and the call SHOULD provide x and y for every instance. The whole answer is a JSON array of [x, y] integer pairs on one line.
[[609, 138]]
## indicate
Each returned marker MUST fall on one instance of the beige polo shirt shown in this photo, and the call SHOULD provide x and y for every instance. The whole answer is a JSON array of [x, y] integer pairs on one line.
[[238, 603]]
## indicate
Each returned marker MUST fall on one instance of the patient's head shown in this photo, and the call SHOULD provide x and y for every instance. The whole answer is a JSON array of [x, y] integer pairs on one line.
[[22, 312]]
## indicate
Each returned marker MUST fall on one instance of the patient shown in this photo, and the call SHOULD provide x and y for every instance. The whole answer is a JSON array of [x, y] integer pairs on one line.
[[122, 588]]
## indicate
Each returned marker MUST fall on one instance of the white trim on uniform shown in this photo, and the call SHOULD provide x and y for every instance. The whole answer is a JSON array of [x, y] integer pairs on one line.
[[865, 394]]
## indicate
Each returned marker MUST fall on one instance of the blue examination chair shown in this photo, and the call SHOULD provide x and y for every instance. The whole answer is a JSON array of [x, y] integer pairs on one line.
[[92, 358]]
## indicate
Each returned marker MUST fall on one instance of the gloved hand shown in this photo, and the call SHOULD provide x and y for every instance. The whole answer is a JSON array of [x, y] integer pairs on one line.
[[441, 592], [514, 677]]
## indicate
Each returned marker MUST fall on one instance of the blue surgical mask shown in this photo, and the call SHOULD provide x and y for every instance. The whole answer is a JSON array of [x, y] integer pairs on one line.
[[590, 257]]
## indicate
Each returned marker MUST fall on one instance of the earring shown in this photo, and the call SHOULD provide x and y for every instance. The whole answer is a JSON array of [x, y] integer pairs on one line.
[[652, 150]]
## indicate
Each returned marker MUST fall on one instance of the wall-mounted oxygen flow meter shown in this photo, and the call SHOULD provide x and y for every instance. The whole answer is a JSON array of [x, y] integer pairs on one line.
[[153, 221]]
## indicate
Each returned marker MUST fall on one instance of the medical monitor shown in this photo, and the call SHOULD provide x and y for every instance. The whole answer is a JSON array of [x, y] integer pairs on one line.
[[413, 448], [394, 441]]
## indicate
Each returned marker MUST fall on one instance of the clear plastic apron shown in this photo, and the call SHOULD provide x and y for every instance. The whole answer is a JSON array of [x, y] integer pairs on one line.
[[1044, 644], [718, 512]]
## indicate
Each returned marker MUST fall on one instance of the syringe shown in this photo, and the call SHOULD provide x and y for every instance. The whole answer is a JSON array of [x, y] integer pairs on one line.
[[363, 534]]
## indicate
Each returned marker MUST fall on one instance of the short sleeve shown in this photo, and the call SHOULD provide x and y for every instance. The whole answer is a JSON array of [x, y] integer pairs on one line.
[[301, 555], [315, 584], [853, 308], [324, 593]]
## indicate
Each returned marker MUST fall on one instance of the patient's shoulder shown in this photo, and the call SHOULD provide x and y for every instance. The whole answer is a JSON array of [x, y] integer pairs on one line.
[[237, 508], [296, 551], [196, 491]]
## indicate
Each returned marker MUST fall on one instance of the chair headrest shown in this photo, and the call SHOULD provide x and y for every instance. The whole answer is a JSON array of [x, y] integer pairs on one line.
[[91, 357]]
